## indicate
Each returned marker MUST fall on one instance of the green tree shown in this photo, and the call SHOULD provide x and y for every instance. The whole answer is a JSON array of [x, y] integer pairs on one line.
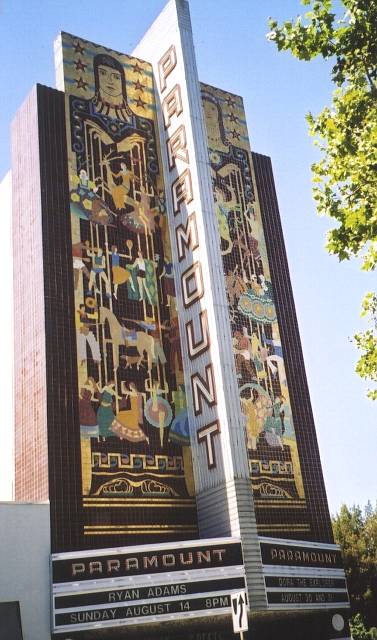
[[345, 179], [356, 533], [358, 630]]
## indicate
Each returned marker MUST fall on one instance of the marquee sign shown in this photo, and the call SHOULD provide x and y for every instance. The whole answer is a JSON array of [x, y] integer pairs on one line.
[[129, 561], [133, 585], [303, 575]]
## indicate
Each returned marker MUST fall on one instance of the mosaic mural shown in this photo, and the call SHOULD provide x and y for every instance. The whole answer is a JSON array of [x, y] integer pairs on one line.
[[264, 395], [134, 433]]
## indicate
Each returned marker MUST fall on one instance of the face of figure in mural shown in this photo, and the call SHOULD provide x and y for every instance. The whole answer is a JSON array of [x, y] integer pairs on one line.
[[213, 124], [212, 118], [110, 82]]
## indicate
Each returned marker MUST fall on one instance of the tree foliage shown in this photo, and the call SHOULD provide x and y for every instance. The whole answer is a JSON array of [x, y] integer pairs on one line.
[[359, 631], [356, 533], [367, 343], [345, 179]]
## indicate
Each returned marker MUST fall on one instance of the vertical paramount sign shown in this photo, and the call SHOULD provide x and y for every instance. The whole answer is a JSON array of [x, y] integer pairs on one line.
[[188, 248], [220, 464], [206, 339]]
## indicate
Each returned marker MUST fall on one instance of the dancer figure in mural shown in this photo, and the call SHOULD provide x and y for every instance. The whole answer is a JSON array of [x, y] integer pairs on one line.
[[167, 279], [157, 410], [285, 416], [128, 422], [255, 286], [105, 413], [79, 260], [180, 428], [156, 330], [120, 190], [222, 213], [146, 213], [253, 424], [141, 219], [88, 419], [175, 344], [235, 286], [120, 275], [257, 407], [85, 336], [243, 355], [86, 203], [98, 269], [274, 426], [275, 357], [254, 239], [255, 351], [141, 276]]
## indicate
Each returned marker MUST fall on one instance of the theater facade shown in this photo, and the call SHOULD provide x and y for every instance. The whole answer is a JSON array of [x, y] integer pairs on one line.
[[162, 403]]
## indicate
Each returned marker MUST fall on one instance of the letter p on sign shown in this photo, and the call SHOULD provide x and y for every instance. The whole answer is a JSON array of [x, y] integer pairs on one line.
[[239, 611]]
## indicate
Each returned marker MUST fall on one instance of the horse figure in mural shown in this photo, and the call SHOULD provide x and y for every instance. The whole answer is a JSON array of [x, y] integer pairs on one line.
[[120, 336]]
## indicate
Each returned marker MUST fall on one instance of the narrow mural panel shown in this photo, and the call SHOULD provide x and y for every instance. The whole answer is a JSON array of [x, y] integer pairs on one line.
[[263, 390], [135, 454]]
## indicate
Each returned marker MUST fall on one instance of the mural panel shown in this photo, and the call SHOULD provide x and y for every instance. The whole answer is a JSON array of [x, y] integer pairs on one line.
[[135, 454], [264, 395]]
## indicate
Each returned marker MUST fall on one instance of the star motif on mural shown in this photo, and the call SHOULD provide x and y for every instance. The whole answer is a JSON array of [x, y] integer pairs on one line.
[[80, 66], [81, 84], [78, 48], [138, 86], [230, 102], [235, 134], [233, 118], [140, 103], [137, 68]]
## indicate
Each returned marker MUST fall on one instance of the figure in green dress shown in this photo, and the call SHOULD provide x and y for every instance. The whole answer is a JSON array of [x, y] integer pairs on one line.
[[105, 413]]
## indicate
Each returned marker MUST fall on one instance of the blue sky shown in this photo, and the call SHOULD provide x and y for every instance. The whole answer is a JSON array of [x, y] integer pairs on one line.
[[233, 53]]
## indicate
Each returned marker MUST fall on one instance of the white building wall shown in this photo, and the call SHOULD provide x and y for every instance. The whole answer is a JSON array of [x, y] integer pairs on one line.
[[25, 564], [6, 341]]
